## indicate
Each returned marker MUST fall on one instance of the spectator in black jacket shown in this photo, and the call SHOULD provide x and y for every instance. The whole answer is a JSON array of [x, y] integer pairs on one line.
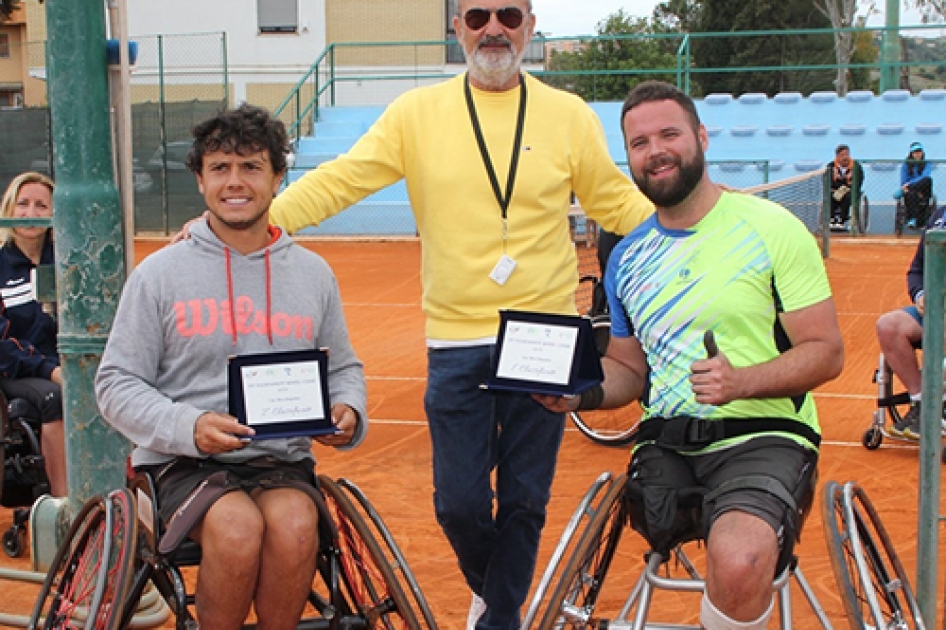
[[900, 333], [29, 358], [847, 178]]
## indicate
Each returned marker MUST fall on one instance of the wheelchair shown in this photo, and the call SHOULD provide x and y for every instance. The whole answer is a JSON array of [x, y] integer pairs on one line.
[[874, 587], [109, 571], [901, 219], [890, 406], [859, 222], [608, 427], [23, 476], [574, 591]]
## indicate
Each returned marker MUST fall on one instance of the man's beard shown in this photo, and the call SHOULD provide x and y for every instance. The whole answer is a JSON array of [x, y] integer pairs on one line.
[[666, 193], [493, 68]]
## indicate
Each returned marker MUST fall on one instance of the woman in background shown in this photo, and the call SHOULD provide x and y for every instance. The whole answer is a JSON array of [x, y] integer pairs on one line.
[[916, 185], [29, 357]]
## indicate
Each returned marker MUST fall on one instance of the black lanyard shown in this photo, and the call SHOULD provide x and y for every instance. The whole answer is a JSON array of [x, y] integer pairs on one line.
[[484, 151]]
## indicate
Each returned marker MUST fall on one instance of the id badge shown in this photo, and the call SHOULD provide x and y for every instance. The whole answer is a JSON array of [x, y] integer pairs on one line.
[[503, 269]]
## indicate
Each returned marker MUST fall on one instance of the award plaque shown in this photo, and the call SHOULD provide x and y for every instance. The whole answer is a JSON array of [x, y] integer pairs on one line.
[[542, 353], [281, 394]]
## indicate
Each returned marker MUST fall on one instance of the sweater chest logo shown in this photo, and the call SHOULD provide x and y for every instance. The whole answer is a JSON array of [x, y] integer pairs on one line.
[[203, 318]]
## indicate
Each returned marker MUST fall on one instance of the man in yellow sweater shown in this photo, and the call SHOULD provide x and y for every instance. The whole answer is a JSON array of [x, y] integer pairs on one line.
[[490, 160]]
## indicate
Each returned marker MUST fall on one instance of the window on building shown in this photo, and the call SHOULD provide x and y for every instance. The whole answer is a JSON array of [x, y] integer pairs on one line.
[[277, 16], [4, 45]]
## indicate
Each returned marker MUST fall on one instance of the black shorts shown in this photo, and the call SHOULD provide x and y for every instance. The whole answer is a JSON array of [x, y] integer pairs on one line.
[[772, 478], [187, 487], [44, 395]]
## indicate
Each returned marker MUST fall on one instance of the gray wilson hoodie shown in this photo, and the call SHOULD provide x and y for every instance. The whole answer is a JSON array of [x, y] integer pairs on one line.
[[165, 362]]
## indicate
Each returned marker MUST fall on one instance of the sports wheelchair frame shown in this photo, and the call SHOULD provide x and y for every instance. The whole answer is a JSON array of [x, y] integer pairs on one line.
[[890, 405], [901, 219], [574, 591], [23, 474], [105, 569]]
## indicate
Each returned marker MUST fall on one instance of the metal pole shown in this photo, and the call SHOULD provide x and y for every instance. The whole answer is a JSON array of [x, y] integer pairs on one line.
[[890, 48], [931, 407], [88, 227]]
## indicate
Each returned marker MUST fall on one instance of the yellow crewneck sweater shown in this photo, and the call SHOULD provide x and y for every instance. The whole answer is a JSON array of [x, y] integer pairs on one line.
[[426, 137]]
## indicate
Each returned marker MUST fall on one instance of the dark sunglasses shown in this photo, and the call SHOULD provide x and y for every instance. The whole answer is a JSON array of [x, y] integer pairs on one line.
[[510, 17]]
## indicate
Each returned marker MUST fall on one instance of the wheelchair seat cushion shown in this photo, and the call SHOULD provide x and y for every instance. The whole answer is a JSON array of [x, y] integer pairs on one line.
[[187, 488]]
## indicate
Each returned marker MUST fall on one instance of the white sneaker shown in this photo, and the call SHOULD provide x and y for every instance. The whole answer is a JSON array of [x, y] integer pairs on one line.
[[477, 609]]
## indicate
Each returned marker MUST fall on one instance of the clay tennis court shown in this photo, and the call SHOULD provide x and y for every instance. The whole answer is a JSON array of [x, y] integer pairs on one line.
[[381, 291]]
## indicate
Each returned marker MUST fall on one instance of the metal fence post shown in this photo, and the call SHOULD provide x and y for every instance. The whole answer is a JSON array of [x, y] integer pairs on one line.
[[89, 243], [931, 408]]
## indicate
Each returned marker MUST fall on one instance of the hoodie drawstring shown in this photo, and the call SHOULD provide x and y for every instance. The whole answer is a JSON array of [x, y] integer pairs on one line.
[[269, 301], [233, 330], [269, 296]]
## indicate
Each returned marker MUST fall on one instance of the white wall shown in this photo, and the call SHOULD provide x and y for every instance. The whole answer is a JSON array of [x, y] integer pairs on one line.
[[247, 48]]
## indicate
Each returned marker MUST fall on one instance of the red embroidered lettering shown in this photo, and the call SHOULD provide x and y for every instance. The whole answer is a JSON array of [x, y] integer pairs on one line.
[[197, 325]]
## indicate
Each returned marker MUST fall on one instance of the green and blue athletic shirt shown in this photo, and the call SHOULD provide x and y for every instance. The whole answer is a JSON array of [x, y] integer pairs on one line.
[[732, 273]]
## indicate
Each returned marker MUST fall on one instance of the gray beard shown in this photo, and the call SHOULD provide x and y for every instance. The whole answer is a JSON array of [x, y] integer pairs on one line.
[[491, 70]]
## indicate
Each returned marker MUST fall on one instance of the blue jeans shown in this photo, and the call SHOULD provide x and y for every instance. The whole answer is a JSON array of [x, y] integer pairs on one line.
[[475, 432]]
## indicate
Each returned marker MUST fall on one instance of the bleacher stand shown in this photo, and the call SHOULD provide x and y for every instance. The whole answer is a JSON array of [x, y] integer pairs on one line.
[[786, 134]]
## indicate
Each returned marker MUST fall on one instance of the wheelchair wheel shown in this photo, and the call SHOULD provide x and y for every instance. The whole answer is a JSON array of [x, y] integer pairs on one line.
[[862, 217], [394, 555], [572, 602], [872, 438], [565, 548], [874, 587], [609, 427], [88, 578], [370, 582]]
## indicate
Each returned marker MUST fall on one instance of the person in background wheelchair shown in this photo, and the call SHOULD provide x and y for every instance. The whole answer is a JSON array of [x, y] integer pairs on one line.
[[847, 180], [235, 287], [900, 332], [29, 355], [916, 185], [729, 419]]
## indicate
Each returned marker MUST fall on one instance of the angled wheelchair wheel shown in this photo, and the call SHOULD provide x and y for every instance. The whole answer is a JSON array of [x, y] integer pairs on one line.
[[552, 575], [371, 584], [392, 552], [572, 601], [608, 427], [899, 218], [88, 578], [874, 587], [862, 217], [4, 437]]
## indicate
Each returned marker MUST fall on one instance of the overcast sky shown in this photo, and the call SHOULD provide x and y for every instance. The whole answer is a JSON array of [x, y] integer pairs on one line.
[[560, 18]]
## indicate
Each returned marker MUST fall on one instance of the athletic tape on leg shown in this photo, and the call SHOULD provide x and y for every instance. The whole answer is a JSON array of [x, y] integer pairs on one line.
[[712, 619]]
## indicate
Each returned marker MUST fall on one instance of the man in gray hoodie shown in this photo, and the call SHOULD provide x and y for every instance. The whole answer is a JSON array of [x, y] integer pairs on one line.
[[237, 287]]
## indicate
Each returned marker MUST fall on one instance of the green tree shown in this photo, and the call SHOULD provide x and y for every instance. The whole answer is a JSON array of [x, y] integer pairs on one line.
[[625, 47], [866, 51], [780, 50], [7, 7]]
